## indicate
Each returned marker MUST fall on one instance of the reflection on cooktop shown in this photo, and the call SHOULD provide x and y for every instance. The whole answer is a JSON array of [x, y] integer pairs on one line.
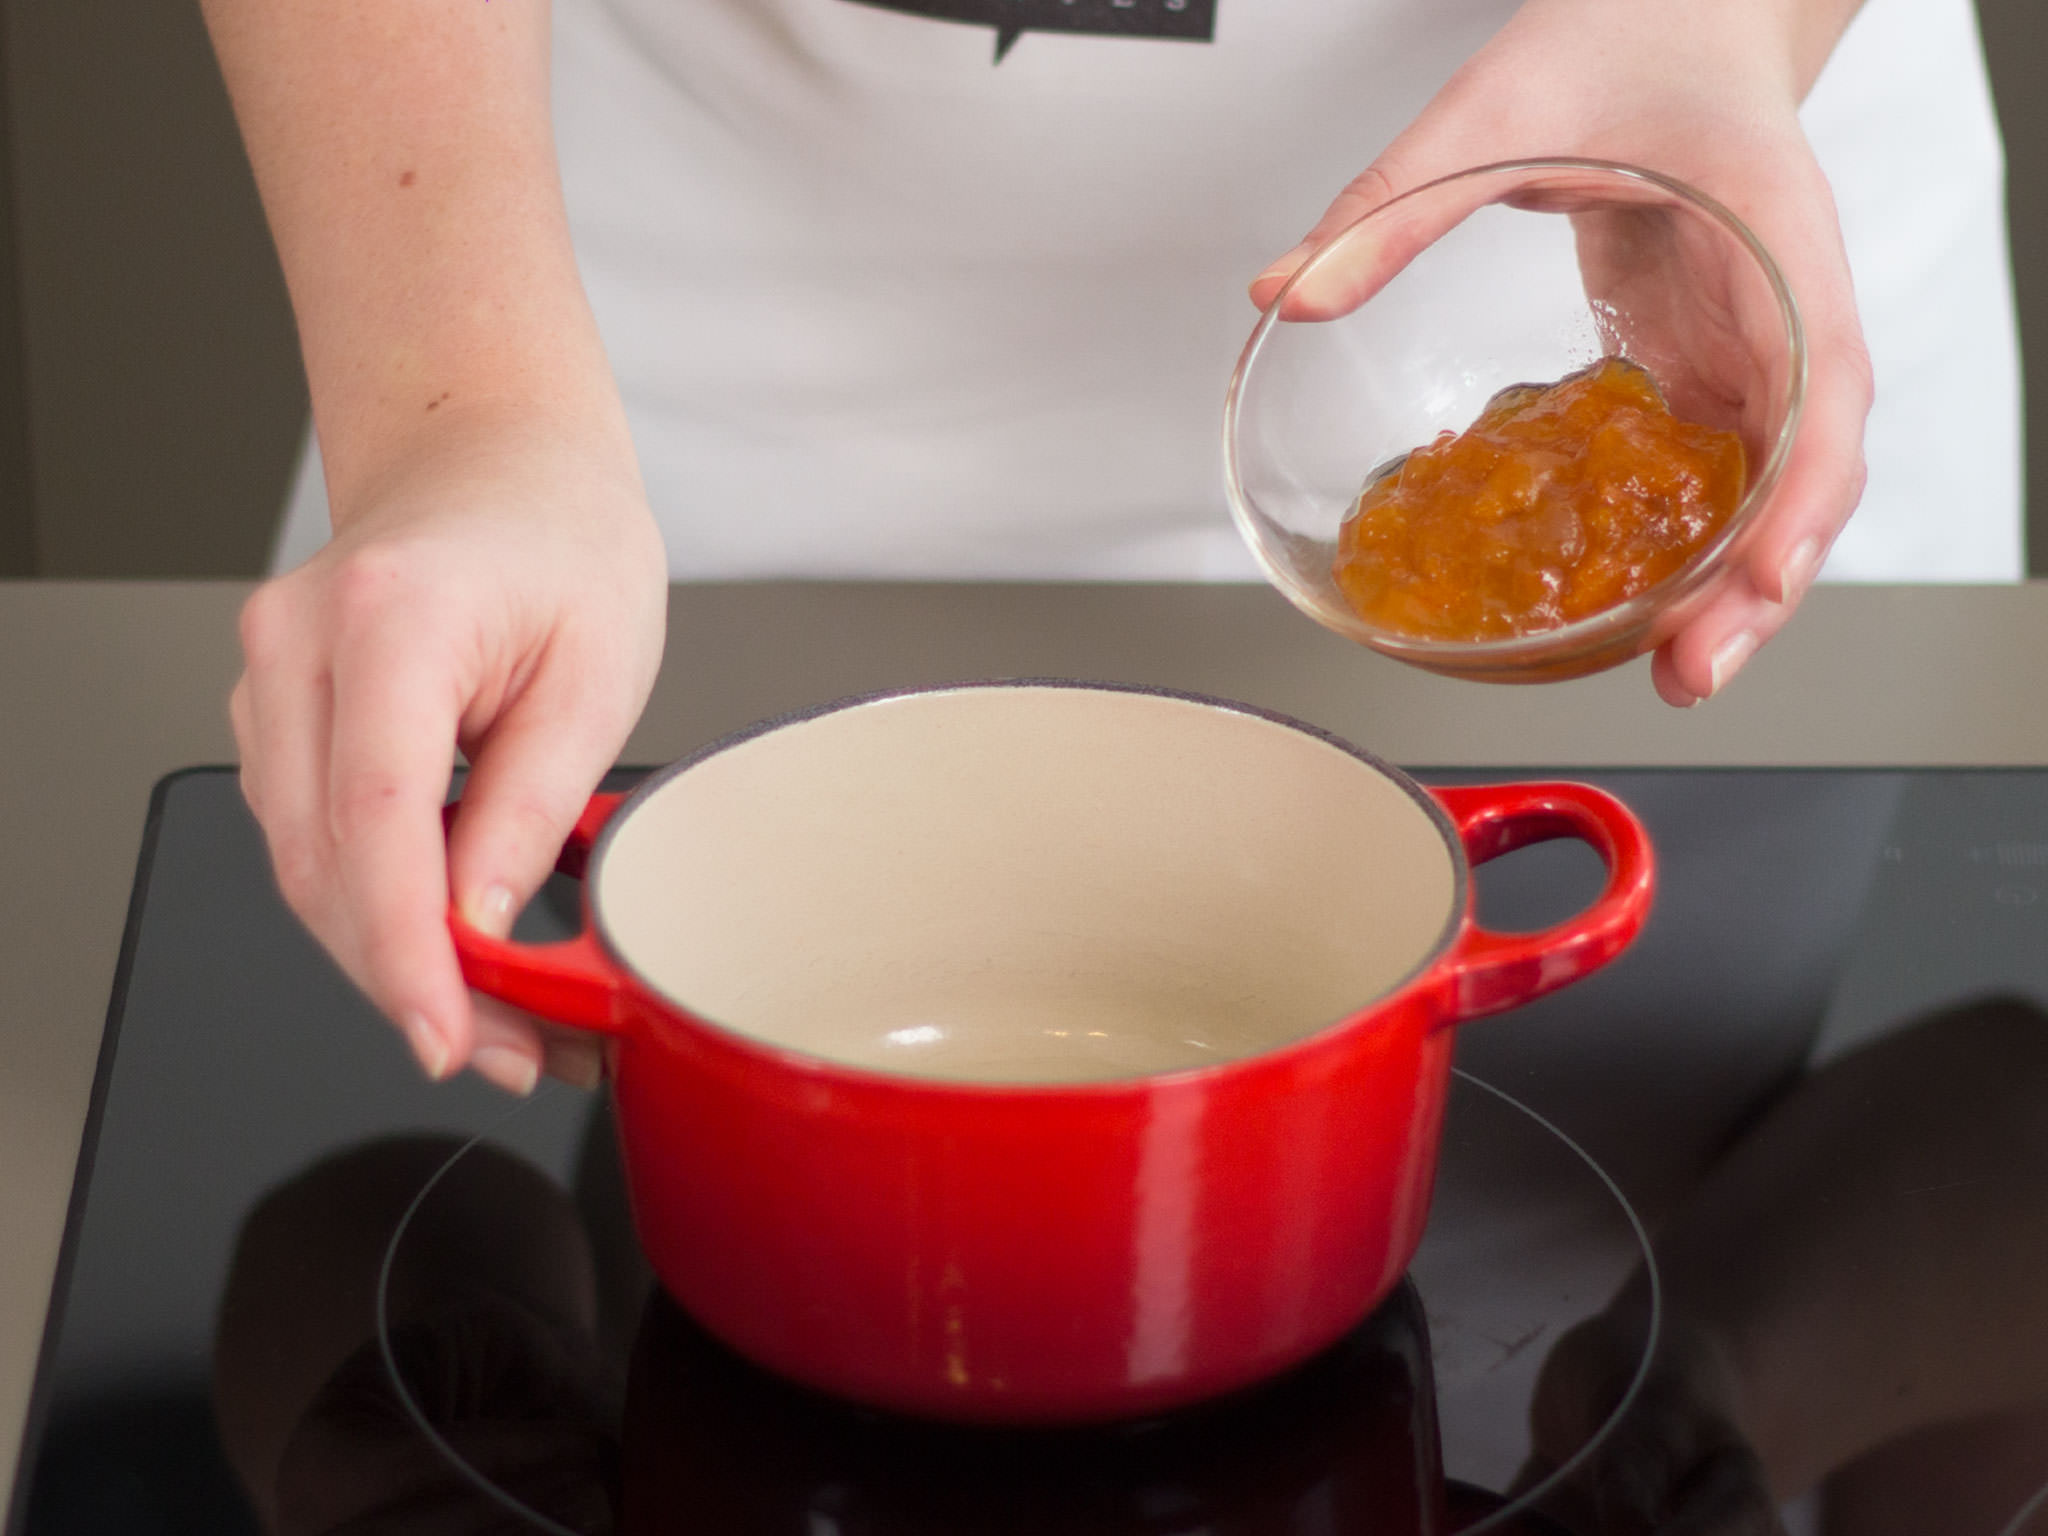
[[494, 1384], [1821, 1077]]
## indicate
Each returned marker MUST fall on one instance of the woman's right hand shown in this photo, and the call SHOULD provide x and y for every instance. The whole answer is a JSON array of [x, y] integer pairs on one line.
[[498, 586], [495, 582]]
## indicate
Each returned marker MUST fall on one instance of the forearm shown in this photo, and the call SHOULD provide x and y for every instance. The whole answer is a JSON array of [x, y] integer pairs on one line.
[[1817, 25], [1801, 34], [405, 158], [1788, 39]]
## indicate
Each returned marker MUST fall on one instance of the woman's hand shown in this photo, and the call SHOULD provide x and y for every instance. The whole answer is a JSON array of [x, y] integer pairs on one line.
[[495, 581], [1706, 91], [499, 586]]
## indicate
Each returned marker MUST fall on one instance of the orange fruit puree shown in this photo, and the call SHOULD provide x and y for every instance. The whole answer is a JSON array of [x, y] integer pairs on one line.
[[1556, 503]]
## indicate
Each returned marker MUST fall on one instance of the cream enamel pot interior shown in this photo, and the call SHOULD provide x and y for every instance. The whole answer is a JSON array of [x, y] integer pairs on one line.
[[1042, 1051]]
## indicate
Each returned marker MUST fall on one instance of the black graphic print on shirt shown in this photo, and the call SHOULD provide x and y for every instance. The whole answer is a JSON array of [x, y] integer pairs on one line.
[[1192, 21]]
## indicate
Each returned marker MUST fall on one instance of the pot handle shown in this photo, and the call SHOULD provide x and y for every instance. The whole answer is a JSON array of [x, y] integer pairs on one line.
[[1490, 971], [574, 982]]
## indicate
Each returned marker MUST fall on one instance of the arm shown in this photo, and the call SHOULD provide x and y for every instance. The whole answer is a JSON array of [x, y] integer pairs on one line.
[[1707, 91], [406, 165], [495, 581]]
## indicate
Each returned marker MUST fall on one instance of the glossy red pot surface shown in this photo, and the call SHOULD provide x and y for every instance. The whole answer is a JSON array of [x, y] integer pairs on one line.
[[1041, 1052]]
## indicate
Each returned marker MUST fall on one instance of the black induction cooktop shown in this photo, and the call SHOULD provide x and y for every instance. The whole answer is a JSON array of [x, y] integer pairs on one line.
[[303, 1290]]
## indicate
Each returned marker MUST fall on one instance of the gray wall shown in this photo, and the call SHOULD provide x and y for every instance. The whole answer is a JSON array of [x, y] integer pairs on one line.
[[2016, 42], [155, 347], [17, 528], [150, 398]]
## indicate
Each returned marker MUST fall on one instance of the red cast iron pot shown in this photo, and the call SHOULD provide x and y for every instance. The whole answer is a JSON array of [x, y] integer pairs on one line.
[[1035, 1052]]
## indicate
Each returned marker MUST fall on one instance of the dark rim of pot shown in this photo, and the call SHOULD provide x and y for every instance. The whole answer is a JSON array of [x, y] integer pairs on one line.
[[810, 1061]]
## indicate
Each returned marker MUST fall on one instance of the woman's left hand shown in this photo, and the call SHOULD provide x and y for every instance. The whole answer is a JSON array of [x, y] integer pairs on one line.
[[1706, 91]]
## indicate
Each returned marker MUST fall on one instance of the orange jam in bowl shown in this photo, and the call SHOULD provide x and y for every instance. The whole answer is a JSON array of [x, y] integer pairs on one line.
[[1559, 502]]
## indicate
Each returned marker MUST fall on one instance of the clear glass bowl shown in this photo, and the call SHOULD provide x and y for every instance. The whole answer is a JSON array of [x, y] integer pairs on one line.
[[1404, 324]]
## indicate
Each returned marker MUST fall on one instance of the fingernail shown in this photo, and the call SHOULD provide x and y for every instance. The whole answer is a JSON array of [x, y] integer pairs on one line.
[[514, 1071], [1729, 656], [578, 1063], [428, 1045], [1284, 267], [1798, 570], [492, 910]]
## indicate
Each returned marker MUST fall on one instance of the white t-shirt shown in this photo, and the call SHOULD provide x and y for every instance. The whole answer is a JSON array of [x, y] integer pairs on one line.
[[882, 304]]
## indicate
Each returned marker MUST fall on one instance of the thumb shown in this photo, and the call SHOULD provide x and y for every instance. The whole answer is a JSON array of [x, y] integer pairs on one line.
[[1429, 147], [1348, 271], [1364, 192], [530, 779]]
